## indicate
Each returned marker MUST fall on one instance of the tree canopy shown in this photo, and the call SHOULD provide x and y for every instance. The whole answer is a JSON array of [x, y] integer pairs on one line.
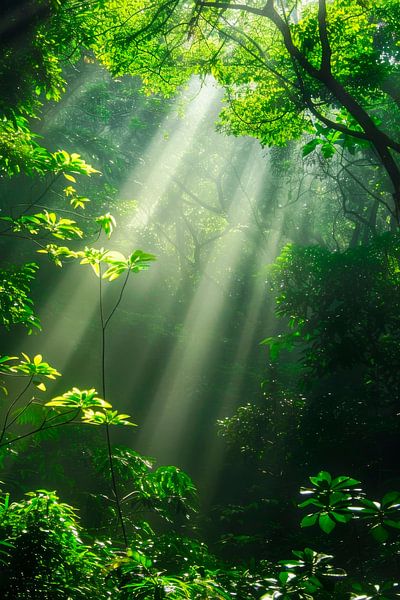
[[108, 144], [327, 69]]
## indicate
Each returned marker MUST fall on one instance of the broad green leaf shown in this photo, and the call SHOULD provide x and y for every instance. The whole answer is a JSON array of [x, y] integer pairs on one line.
[[379, 533], [326, 523], [310, 146], [69, 177], [309, 520]]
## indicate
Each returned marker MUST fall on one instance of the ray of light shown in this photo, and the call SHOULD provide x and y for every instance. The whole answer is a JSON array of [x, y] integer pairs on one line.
[[166, 151], [173, 414], [213, 457], [63, 332]]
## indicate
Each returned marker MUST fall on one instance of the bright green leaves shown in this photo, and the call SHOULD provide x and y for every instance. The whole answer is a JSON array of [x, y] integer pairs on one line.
[[58, 254], [310, 574], [156, 585], [165, 490], [283, 586], [330, 140], [18, 148], [16, 307], [76, 398], [4, 367], [310, 146], [309, 563], [107, 223], [172, 483], [351, 33], [35, 368], [116, 263], [331, 500], [149, 582], [338, 500], [47, 506], [61, 161], [75, 200], [135, 262], [326, 144], [87, 403], [302, 576], [37, 372], [46, 532], [382, 517], [324, 481], [20, 152], [139, 558], [106, 417], [152, 40], [79, 201], [64, 229], [92, 257]]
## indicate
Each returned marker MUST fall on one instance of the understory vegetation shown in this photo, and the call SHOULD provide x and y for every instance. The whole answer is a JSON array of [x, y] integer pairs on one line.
[[200, 300]]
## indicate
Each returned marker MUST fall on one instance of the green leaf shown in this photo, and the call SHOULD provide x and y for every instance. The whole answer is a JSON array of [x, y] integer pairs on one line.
[[326, 523], [344, 482], [342, 517], [69, 177], [309, 520], [107, 223], [379, 533], [106, 417], [392, 523], [310, 146], [391, 498], [328, 150]]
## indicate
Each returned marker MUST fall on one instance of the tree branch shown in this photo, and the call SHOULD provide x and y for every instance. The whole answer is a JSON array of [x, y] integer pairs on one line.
[[226, 5], [323, 36]]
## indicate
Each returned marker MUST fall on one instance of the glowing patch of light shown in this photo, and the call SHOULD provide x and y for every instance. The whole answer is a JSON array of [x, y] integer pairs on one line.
[[172, 414], [158, 166], [214, 453], [64, 332], [166, 151]]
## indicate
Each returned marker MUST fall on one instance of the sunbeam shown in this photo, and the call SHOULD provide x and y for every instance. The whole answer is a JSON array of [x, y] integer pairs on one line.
[[214, 453], [166, 151], [160, 161], [173, 413], [199, 226]]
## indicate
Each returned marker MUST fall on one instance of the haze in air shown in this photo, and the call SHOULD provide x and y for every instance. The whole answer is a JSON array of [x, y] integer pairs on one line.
[[199, 300]]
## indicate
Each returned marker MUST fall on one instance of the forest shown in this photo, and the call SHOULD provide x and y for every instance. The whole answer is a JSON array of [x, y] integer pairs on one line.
[[200, 299]]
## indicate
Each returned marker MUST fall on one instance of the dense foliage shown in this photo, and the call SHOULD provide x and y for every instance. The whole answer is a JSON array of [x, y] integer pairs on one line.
[[317, 82]]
